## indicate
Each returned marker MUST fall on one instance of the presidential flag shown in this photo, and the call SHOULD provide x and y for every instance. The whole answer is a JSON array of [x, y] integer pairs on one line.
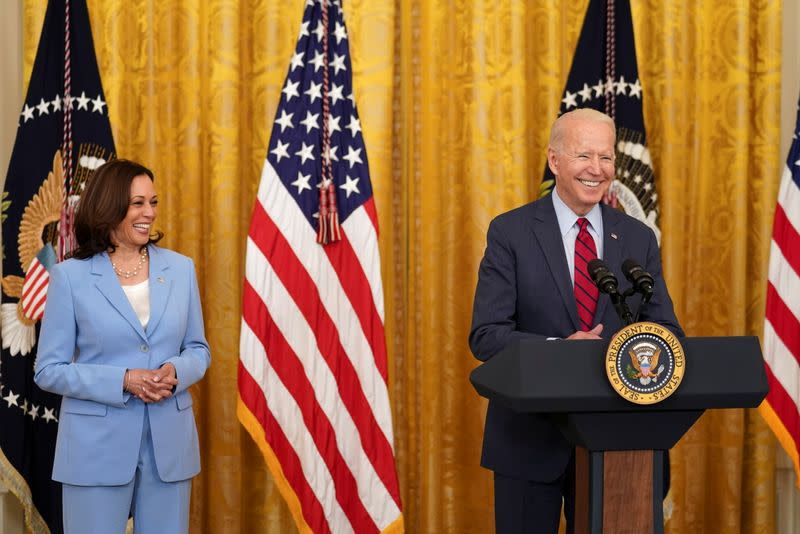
[[313, 371], [62, 136], [781, 341], [605, 76]]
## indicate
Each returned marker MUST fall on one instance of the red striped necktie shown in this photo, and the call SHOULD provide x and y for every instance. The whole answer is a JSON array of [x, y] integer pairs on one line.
[[586, 293]]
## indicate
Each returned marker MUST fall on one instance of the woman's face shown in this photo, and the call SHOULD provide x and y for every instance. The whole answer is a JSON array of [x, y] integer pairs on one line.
[[134, 230]]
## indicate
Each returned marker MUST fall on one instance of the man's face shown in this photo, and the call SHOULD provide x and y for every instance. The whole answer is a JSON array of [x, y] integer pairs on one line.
[[583, 163]]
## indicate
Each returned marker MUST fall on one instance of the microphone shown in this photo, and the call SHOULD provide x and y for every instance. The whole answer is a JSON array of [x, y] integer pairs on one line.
[[606, 282], [602, 277], [642, 280]]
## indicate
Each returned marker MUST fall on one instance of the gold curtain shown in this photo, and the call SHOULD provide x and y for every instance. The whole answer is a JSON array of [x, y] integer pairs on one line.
[[456, 99]]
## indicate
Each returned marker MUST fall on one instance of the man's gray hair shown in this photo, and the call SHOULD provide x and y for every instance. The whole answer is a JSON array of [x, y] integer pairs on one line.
[[559, 128]]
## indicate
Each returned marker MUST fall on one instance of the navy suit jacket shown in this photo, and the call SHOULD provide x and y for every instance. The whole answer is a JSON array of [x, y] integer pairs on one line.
[[525, 291]]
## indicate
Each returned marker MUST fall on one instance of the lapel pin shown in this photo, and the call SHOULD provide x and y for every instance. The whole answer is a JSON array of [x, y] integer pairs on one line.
[[161, 278], [613, 235]]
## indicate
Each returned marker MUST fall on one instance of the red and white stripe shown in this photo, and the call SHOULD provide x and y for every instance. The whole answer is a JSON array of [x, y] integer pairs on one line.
[[313, 362], [782, 323], [34, 290]]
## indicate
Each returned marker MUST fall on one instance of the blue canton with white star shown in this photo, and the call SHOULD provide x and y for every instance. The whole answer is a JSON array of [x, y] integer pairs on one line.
[[295, 148], [793, 159]]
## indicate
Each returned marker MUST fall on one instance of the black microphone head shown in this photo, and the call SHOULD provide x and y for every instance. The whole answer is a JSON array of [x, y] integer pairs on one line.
[[641, 279], [596, 266], [603, 278], [646, 282], [629, 266]]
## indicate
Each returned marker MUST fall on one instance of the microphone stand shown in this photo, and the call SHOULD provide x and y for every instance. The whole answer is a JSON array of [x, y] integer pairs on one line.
[[623, 311], [607, 283]]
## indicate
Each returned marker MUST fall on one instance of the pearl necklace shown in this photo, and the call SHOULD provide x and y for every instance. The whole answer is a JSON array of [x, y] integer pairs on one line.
[[130, 274]]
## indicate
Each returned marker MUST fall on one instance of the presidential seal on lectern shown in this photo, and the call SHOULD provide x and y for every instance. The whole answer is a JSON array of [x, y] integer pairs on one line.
[[645, 363]]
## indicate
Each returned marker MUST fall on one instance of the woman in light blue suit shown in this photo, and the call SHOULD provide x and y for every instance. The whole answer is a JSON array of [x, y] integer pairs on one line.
[[122, 339]]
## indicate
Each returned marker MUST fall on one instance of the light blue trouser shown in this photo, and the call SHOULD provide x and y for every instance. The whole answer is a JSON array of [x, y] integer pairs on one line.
[[156, 506]]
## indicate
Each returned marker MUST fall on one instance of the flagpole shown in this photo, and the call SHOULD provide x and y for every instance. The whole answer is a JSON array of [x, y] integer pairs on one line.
[[611, 59], [66, 148]]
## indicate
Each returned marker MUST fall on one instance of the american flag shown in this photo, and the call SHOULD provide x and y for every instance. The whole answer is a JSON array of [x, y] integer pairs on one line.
[[781, 408], [37, 278], [313, 372], [605, 76]]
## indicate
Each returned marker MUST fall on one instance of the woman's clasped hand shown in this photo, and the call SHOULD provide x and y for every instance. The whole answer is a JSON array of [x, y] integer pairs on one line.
[[151, 385]]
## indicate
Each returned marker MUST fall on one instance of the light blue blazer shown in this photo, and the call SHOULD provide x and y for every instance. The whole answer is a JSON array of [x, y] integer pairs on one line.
[[90, 335]]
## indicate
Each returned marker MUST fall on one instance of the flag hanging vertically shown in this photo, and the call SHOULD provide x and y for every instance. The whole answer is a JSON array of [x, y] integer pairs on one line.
[[605, 76], [64, 107], [313, 370], [781, 340]]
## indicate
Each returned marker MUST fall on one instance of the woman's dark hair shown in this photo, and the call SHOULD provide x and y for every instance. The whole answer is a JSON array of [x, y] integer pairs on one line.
[[104, 204]]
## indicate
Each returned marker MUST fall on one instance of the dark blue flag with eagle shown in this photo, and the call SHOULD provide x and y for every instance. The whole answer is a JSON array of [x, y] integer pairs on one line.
[[604, 76], [63, 134]]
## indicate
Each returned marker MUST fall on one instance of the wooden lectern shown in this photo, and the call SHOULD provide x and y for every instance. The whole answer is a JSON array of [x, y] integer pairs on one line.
[[620, 446]]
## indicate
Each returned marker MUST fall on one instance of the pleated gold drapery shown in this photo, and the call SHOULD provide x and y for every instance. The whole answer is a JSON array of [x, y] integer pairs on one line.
[[456, 99]]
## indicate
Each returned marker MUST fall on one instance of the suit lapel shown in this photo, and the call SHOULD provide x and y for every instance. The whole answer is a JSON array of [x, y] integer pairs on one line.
[[611, 251], [111, 289], [548, 234], [160, 285]]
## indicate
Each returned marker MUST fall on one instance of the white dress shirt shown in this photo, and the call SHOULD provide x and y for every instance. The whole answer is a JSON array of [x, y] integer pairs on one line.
[[139, 297]]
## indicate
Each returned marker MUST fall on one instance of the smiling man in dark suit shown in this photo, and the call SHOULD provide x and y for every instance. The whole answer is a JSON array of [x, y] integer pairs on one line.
[[533, 283]]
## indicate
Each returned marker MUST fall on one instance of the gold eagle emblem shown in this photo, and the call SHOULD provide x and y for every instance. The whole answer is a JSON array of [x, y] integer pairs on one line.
[[42, 210], [644, 359]]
